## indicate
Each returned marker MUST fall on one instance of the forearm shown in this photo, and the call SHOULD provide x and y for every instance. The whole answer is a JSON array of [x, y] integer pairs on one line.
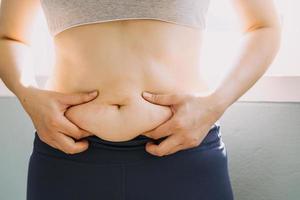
[[257, 51], [16, 66]]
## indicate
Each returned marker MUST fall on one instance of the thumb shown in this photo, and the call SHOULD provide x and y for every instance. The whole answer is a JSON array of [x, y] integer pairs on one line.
[[78, 98], [162, 99]]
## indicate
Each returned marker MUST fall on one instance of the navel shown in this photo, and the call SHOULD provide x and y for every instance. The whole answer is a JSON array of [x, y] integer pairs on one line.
[[118, 106]]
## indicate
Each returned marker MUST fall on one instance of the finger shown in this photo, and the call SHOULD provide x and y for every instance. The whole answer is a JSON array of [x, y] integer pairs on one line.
[[161, 131], [163, 99], [70, 129], [78, 98], [189, 145], [69, 146], [165, 146], [175, 149]]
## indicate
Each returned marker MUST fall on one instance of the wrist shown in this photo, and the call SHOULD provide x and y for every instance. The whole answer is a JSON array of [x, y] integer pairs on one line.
[[21, 90], [218, 101]]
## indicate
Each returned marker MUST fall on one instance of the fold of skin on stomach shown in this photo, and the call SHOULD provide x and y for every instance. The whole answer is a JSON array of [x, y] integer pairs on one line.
[[121, 59]]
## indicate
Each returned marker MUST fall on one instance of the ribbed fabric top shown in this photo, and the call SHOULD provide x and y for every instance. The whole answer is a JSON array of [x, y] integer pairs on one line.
[[64, 14]]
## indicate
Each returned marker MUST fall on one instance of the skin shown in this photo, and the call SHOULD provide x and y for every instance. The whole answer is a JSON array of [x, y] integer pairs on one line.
[[180, 106]]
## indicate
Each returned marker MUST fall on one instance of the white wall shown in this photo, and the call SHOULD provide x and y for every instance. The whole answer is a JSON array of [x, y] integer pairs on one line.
[[262, 141]]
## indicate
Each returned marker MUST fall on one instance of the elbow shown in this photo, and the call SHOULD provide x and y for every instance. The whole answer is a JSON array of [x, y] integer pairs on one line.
[[14, 39], [274, 27], [270, 31]]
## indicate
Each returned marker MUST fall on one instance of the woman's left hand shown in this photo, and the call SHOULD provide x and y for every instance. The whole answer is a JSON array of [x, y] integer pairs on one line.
[[193, 116]]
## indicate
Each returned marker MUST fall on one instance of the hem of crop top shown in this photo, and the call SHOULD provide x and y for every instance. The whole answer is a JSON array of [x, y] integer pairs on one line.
[[203, 27]]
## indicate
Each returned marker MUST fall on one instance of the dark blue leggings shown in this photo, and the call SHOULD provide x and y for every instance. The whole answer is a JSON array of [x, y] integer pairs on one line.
[[125, 171]]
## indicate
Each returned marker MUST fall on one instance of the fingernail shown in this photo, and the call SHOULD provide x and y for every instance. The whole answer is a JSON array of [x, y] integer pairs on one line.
[[146, 94], [93, 93]]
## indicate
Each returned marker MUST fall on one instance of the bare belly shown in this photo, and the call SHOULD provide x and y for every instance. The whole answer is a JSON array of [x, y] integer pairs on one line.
[[121, 60]]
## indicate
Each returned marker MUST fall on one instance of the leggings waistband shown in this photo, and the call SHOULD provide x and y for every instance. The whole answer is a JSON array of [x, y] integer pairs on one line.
[[137, 142], [106, 152]]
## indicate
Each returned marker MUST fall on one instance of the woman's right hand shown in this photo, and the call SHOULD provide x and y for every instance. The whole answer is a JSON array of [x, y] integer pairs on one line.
[[46, 110]]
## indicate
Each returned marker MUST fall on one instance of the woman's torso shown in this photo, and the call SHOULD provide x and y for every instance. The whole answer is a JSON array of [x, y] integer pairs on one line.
[[121, 59]]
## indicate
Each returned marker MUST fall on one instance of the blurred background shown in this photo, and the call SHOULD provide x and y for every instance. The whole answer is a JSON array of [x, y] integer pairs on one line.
[[261, 130]]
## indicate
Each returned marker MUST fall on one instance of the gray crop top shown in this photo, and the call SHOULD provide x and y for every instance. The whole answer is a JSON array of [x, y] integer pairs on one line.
[[63, 14]]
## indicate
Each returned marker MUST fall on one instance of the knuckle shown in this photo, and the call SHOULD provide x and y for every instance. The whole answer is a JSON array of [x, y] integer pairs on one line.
[[193, 141], [48, 140], [150, 134], [80, 134], [159, 152], [83, 133], [154, 136], [190, 139], [54, 121], [70, 150], [77, 134]]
